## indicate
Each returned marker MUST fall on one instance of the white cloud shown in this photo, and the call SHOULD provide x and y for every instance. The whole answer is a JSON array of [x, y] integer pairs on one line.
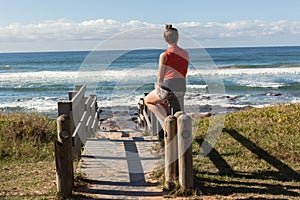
[[63, 29], [244, 29], [100, 29]]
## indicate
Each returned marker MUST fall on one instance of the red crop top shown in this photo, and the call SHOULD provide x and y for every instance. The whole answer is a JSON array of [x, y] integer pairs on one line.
[[177, 63]]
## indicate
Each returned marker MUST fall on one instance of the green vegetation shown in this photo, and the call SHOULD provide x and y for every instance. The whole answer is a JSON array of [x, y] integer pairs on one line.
[[257, 155], [27, 168]]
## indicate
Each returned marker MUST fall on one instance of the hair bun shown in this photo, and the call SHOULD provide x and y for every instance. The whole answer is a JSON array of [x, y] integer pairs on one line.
[[169, 26]]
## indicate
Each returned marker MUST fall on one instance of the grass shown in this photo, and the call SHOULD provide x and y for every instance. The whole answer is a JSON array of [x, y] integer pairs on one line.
[[257, 155], [23, 180], [27, 168]]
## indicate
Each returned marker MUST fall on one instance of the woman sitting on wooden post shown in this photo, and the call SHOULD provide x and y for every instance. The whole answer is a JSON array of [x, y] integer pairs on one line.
[[172, 70]]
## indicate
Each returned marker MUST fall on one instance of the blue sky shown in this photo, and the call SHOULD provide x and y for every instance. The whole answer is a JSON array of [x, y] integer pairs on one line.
[[51, 25]]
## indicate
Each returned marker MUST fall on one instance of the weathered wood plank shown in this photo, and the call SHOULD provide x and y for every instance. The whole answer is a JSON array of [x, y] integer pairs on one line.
[[88, 125], [78, 97], [93, 104], [95, 123], [88, 103]]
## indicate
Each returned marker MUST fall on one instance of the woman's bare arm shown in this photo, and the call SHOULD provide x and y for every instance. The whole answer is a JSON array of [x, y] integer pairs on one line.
[[161, 69]]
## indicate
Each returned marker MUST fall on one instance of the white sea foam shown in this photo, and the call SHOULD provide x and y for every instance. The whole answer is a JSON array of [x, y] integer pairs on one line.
[[262, 84], [73, 76], [136, 77], [196, 86], [229, 72], [46, 105], [37, 77], [296, 100], [129, 74]]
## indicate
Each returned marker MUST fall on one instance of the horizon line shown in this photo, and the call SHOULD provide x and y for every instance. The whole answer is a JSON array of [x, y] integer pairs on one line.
[[86, 50]]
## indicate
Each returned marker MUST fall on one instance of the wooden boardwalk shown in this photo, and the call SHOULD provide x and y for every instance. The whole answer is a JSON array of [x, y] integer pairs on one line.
[[117, 165]]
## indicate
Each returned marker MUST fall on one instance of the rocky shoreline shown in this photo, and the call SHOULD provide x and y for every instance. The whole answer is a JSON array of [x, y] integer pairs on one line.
[[121, 117]]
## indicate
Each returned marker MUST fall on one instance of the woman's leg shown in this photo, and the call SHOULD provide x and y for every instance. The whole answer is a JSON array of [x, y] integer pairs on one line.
[[154, 103]]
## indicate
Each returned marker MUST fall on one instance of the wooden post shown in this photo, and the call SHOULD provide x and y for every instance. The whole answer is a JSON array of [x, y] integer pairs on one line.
[[170, 150], [63, 156], [160, 131], [140, 113], [185, 160], [153, 124]]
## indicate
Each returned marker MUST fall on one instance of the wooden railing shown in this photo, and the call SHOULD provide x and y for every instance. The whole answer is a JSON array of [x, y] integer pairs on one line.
[[78, 119], [147, 121]]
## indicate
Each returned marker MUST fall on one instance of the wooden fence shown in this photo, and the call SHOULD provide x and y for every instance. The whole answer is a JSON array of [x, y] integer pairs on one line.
[[147, 121], [177, 136], [78, 119]]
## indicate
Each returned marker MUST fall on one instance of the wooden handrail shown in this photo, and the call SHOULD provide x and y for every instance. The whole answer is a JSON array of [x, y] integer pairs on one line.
[[81, 114]]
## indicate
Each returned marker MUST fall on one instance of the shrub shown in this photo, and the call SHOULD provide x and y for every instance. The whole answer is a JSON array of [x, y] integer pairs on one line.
[[26, 136]]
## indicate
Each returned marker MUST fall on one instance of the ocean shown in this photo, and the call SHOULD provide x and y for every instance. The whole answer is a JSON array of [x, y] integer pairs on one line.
[[225, 77]]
